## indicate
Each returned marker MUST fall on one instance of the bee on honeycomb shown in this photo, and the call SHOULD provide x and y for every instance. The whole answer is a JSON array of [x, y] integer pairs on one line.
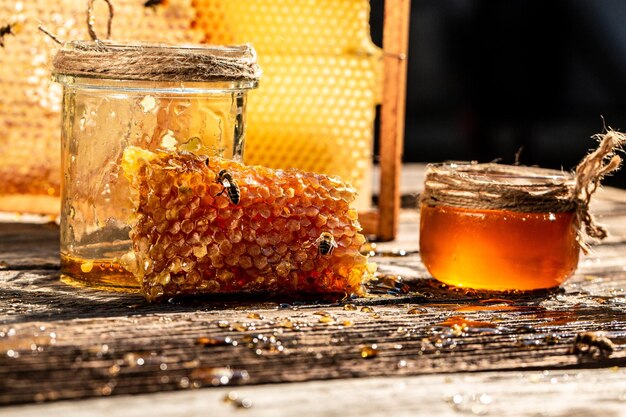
[[189, 237], [326, 243]]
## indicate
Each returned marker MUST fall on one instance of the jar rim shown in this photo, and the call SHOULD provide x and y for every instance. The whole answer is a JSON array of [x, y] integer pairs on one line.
[[502, 174], [105, 45], [158, 87]]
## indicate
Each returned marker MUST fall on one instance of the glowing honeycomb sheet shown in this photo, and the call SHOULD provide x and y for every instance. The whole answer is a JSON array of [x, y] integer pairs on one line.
[[315, 106], [330, 27], [30, 104]]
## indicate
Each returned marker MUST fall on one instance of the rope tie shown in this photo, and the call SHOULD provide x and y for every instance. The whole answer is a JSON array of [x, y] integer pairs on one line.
[[91, 19], [589, 173]]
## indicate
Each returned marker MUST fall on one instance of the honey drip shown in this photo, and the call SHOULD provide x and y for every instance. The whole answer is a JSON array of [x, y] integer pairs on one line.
[[498, 249]]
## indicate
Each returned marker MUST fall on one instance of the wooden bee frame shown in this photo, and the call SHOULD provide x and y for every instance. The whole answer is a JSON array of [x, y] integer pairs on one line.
[[382, 222]]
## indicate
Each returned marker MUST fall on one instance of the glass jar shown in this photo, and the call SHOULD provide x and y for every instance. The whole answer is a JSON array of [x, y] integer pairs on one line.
[[498, 227], [105, 111]]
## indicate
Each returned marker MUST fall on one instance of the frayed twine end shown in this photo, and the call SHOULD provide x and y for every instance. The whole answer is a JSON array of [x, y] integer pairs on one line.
[[589, 173]]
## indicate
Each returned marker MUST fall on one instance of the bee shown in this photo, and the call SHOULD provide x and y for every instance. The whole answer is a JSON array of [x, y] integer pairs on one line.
[[8, 29], [230, 186], [325, 244], [591, 343], [152, 4]]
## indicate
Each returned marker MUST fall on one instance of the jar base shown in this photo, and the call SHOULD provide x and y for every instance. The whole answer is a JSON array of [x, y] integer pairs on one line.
[[491, 287], [104, 275]]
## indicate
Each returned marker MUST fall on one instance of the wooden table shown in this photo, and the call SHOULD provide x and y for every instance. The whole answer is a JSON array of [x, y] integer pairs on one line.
[[439, 351]]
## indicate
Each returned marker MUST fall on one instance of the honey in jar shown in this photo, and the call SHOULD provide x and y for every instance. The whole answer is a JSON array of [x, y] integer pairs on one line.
[[498, 249], [498, 227]]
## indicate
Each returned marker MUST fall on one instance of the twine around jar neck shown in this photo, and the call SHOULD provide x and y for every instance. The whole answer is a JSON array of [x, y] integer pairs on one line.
[[528, 189], [498, 187], [156, 62]]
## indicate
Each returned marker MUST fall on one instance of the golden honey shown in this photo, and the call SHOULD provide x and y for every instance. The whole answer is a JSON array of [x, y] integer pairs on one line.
[[498, 249], [103, 274]]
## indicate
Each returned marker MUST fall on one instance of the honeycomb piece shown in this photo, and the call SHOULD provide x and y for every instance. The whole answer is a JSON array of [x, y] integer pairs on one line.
[[190, 238], [315, 106], [30, 169]]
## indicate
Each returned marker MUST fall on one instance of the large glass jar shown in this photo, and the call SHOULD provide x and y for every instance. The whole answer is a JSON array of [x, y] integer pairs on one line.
[[125, 99]]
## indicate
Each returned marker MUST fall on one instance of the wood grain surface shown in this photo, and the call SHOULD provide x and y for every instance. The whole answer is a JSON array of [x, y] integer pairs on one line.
[[571, 393], [61, 342]]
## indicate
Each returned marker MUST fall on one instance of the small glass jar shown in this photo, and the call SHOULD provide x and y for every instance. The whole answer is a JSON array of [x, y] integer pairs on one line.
[[165, 100], [498, 227]]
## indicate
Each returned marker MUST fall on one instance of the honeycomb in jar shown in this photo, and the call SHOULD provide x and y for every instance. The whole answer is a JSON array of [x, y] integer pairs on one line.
[[315, 106], [291, 232], [30, 167]]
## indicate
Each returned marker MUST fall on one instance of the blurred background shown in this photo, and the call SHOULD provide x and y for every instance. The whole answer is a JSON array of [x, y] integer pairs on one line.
[[487, 78]]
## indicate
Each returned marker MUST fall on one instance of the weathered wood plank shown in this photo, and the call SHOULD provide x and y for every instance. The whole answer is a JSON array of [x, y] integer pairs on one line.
[[600, 392], [61, 342], [27, 246]]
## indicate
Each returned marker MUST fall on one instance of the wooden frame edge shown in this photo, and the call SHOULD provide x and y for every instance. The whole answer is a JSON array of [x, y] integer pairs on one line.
[[395, 50]]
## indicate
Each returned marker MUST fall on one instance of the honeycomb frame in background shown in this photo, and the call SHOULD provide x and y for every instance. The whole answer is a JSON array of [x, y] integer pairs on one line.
[[30, 105], [315, 107]]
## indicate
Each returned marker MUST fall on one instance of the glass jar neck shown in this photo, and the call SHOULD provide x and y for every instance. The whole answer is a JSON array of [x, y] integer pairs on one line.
[[191, 87], [504, 175]]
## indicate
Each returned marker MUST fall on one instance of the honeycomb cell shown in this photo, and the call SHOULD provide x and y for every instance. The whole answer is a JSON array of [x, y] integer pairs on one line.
[[269, 263]]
